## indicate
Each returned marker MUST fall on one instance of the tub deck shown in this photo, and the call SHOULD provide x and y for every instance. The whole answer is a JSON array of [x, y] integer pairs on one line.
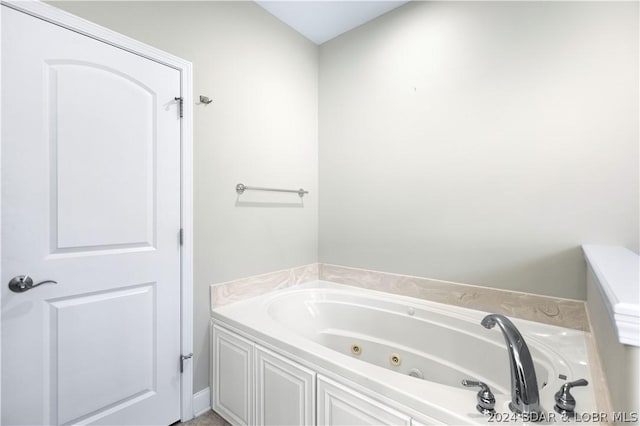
[[319, 323]]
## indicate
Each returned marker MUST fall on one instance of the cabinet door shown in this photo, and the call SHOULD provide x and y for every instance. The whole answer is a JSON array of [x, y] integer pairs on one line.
[[232, 376], [285, 391], [340, 405]]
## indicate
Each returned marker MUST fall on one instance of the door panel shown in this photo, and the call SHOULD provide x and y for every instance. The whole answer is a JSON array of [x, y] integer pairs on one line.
[[279, 379], [90, 199], [120, 158], [232, 376], [123, 347], [340, 405]]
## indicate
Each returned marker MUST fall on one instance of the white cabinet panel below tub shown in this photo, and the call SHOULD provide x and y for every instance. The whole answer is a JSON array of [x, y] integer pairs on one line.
[[285, 391], [232, 376], [340, 405]]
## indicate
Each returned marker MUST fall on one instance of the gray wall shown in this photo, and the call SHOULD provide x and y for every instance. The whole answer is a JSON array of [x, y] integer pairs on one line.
[[261, 130], [481, 142]]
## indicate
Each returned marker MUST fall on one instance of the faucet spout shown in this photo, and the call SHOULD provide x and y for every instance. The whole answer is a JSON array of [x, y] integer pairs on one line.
[[525, 399]]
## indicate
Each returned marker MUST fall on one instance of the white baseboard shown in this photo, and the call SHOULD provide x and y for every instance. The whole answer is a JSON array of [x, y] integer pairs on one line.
[[201, 402]]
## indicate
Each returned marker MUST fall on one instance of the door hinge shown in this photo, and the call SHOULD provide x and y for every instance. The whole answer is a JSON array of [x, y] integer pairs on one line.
[[182, 358], [180, 103], [181, 236]]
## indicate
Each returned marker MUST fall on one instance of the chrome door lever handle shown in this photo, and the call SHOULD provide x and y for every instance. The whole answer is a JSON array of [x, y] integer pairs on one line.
[[22, 283]]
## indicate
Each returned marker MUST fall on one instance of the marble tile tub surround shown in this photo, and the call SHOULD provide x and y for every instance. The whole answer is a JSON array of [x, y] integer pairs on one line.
[[549, 310], [244, 288]]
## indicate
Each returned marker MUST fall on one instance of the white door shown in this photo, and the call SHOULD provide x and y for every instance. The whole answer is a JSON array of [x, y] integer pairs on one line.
[[90, 199]]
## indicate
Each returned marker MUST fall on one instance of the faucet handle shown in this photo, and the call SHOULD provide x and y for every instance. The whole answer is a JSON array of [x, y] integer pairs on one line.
[[565, 402], [486, 400]]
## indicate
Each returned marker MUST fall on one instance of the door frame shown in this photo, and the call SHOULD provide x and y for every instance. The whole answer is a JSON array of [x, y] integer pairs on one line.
[[64, 19]]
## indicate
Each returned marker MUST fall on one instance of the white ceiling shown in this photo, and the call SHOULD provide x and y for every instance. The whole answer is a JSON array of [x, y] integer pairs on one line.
[[321, 21]]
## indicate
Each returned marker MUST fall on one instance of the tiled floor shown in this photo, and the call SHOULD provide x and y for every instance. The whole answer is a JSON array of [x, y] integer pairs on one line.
[[209, 418]]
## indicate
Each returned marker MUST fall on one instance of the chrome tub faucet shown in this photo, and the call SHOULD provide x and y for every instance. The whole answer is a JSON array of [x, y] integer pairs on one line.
[[525, 399]]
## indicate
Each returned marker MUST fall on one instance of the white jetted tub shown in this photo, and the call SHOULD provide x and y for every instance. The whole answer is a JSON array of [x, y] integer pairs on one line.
[[406, 356]]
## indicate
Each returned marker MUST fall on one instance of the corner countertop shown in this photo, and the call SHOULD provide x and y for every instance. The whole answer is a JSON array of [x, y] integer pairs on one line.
[[617, 270]]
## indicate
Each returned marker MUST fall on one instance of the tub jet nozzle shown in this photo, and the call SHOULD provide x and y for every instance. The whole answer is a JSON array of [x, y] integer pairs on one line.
[[395, 360], [356, 349]]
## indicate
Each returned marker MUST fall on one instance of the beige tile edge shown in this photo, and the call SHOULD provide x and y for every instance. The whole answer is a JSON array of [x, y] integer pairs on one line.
[[256, 285], [598, 378], [545, 309]]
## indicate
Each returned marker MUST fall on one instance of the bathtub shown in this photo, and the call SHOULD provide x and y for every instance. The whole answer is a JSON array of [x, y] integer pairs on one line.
[[408, 353]]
